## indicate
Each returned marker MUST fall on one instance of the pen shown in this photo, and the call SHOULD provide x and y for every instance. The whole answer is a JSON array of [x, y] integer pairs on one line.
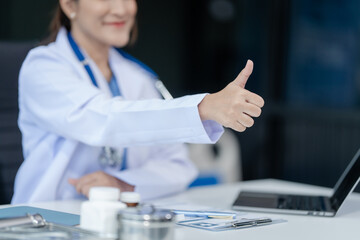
[[163, 91], [28, 220], [248, 223], [206, 214]]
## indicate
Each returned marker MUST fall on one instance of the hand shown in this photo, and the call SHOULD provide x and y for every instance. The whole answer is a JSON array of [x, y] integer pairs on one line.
[[98, 179], [234, 106]]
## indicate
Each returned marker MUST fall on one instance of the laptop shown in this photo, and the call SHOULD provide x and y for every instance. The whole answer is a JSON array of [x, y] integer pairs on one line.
[[302, 204]]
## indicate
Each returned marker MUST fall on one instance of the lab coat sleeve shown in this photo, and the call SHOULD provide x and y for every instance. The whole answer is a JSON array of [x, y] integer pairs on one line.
[[61, 101], [167, 171]]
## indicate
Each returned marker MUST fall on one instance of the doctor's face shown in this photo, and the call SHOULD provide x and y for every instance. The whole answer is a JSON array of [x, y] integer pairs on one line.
[[107, 21]]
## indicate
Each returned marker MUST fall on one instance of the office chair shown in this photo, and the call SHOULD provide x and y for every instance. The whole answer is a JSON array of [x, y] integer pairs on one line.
[[219, 163], [11, 58]]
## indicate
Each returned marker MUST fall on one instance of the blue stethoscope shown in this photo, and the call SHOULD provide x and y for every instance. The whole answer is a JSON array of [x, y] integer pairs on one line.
[[110, 156]]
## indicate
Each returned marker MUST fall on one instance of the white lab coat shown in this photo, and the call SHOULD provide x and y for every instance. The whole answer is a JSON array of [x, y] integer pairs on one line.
[[65, 120]]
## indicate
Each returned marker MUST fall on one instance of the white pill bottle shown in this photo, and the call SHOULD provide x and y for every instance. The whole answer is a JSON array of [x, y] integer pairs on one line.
[[100, 212]]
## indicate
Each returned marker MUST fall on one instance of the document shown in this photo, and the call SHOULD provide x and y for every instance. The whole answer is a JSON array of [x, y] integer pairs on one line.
[[217, 225], [211, 219]]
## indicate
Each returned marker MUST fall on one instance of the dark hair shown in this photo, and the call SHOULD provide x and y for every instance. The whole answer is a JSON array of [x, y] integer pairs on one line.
[[61, 20]]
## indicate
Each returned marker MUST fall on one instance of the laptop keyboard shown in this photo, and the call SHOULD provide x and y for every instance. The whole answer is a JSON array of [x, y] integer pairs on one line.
[[302, 203]]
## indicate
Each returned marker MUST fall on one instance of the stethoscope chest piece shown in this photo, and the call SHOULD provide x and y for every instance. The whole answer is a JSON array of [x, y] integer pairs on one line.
[[111, 157]]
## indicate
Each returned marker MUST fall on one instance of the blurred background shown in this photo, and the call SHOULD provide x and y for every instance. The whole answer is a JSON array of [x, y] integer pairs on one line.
[[307, 68]]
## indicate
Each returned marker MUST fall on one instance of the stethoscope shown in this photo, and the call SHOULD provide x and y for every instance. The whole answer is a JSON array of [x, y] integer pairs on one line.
[[109, 156]]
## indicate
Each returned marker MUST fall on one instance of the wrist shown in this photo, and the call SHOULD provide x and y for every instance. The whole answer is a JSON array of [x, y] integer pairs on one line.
[[203, 108]]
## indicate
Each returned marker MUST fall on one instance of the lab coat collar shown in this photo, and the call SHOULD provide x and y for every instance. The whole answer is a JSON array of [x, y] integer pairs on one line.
[[64, 45], [129, 75]]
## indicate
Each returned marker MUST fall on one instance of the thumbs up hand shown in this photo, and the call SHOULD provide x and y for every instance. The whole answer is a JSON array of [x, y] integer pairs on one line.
[[234, 106]]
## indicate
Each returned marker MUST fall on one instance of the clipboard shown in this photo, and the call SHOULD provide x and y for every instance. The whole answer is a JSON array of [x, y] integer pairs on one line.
[[56, 217]]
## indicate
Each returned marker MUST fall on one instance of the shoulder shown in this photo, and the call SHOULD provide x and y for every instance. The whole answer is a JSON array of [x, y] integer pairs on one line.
[[57, 53], [53, 64], [45, 66], [42, 56]]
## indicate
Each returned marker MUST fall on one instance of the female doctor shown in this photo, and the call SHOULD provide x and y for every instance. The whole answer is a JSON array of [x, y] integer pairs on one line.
[[91, 116]]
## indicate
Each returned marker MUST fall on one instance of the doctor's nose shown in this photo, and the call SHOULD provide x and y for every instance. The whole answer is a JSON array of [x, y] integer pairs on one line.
[[119, 7]]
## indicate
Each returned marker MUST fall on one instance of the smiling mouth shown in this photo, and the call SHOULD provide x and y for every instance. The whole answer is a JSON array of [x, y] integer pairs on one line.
[[116, 24]]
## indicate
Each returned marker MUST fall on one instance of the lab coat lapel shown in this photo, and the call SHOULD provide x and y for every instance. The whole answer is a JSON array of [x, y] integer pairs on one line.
[[63, 42], [100, 79], [122, 77], [134, 82]]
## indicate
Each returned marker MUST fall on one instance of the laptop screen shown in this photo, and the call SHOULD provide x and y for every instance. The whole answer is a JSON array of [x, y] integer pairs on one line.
[[347, 182]]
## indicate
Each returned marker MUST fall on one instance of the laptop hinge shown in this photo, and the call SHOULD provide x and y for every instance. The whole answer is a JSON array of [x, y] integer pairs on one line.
[[334, 203]]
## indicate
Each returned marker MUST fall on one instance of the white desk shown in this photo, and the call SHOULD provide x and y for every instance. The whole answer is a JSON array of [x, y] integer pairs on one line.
[[345, 225]]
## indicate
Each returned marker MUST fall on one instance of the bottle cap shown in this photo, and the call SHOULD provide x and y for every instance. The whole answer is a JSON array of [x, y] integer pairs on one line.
[[104, 194], [130, 197]]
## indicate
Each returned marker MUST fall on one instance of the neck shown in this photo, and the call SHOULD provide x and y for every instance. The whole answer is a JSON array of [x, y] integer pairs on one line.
[[96, 50]]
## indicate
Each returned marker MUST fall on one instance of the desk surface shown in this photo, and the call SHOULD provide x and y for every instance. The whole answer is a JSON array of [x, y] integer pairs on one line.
[[345, 225]]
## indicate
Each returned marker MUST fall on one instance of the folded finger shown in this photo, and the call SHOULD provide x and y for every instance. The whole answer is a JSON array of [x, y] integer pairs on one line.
[[255, 99], [237, 126], [252, 110], [245, 120]]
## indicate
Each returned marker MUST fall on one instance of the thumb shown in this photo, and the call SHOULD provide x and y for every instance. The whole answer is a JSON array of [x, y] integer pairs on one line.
[[72, 181], [244, 75]]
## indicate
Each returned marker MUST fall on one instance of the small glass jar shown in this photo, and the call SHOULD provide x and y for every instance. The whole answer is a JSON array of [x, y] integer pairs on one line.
[[145, 223], [131, 199]]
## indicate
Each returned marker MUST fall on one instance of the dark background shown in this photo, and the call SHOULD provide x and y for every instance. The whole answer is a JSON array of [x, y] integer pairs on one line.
[[306, 56]]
